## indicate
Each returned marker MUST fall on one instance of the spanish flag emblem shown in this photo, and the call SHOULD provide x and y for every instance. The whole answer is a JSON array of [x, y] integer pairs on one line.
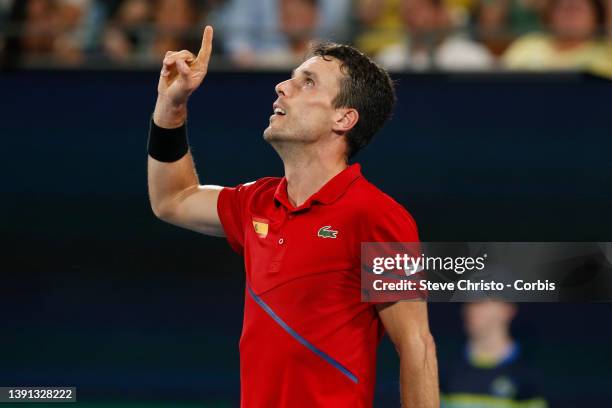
[[261, 227]]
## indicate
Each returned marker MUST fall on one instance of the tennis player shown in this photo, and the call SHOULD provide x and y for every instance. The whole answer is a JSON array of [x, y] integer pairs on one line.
[[307, 340]]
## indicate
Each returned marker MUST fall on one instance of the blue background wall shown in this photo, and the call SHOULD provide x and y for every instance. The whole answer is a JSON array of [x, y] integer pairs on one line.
[[97, 293]]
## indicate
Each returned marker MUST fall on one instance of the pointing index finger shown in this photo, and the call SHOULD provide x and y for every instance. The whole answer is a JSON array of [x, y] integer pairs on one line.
[[206, 47]]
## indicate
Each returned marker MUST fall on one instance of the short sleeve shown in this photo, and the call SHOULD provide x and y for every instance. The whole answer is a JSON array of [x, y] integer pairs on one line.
[[391, 232], [231, 208], [395, 224]]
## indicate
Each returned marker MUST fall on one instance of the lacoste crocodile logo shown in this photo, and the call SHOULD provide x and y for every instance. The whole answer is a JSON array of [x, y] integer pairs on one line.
[[326, 232]]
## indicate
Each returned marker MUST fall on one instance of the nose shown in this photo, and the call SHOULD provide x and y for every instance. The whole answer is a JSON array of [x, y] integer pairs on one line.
[[281, 88]]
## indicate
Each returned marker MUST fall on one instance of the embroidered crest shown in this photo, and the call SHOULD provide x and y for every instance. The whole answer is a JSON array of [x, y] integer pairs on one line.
[[326, 232]]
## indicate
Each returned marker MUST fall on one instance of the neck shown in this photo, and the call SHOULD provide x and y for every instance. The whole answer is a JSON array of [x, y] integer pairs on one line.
[[306, 172], [492, 347]]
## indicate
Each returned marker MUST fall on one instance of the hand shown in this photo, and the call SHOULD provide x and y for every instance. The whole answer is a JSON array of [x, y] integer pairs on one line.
[[183, 72]]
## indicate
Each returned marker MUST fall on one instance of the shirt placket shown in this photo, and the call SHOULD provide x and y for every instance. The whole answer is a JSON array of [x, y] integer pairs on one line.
[[281, 244]]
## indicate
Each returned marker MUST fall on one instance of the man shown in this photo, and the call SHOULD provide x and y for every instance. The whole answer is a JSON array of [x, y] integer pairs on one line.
[[307, 340], [255, 27], [431, 41], [571, 42], [492, 373]]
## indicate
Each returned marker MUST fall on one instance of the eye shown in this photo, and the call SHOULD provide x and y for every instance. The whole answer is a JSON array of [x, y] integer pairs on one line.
[[309, 82]]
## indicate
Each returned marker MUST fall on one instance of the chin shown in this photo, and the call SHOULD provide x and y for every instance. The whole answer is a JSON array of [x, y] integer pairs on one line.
[[273, 135], [268, 134]]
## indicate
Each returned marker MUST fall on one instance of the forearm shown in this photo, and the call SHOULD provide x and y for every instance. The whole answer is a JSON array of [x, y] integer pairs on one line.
[[419, 375], [168, 182]]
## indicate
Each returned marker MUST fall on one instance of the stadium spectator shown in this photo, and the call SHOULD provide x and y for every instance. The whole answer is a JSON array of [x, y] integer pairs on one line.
[[297, 22], [174, 19], [79, 24], [124, 36], [461, 10], [431, 42], [571, 44], [498, 22], [252, 27], [57, 31], [145, 30], [40, 25], [492, 373], [380, 25]]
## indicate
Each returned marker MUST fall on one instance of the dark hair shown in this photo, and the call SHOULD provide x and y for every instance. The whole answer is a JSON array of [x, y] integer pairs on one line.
[[365, 87]]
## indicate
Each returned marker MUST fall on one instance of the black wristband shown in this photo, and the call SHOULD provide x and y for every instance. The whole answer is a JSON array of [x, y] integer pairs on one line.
[[167, 145]]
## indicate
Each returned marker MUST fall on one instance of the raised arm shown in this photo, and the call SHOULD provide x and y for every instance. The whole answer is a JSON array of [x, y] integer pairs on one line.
[[408, 327], [174, 188]]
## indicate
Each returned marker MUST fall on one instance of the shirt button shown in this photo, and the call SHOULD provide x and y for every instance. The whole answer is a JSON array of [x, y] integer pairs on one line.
[[280, 241]]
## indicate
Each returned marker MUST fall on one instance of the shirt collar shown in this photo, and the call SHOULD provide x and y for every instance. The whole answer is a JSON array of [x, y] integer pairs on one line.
[[330, 192]]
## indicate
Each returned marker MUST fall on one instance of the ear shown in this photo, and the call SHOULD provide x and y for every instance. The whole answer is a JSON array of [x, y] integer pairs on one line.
[[345, 119]]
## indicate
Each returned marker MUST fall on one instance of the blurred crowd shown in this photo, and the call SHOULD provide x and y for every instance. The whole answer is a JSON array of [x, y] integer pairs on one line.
[[270, 34]]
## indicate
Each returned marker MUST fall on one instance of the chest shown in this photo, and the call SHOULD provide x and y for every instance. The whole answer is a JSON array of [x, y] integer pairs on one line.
[[281, 246]]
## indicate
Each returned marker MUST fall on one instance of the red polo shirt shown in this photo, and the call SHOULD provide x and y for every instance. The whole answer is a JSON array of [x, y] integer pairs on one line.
[[307, 339]]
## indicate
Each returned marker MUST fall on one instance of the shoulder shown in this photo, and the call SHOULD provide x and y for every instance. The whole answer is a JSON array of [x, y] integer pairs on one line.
[[257, 186], [461, 43], [459, 52], [532, 39], [377, 209], [371, 198], [261, 189], [524, 46]]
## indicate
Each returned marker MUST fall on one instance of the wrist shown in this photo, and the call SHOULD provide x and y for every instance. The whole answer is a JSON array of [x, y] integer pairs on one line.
[[167, 144], [169, 114]]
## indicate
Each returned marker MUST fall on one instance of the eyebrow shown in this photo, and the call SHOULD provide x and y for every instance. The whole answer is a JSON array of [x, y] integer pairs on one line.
[[305, 72]]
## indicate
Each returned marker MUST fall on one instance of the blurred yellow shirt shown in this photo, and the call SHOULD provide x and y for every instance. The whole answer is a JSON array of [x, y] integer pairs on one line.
[[387, 29], [538, 52]]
